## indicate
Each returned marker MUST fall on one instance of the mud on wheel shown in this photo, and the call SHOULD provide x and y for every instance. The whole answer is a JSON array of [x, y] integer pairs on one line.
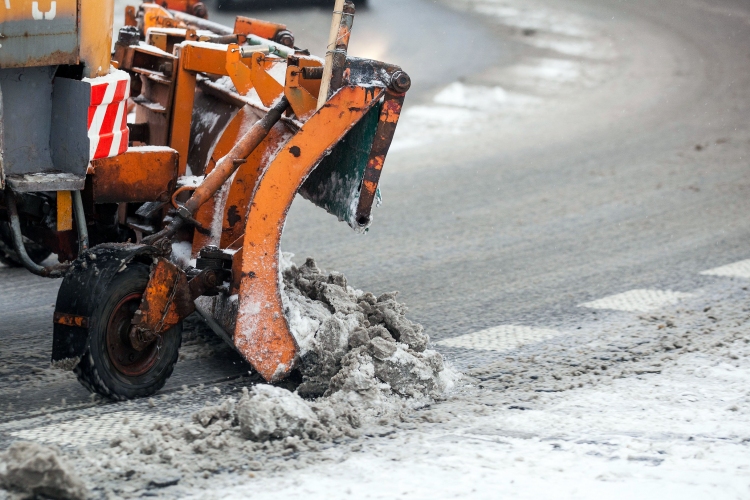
[[111, 366]]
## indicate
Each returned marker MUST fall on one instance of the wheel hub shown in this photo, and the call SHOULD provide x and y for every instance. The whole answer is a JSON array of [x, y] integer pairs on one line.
[[124, 357]]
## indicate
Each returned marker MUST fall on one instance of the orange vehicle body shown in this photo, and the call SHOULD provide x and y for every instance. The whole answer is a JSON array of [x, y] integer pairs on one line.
[[226, 126]]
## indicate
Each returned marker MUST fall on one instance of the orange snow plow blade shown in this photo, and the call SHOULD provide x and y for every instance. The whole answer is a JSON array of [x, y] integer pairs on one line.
[[262, 334]]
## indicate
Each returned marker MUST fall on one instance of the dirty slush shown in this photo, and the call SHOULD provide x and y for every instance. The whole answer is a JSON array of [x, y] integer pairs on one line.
[[362, 363]]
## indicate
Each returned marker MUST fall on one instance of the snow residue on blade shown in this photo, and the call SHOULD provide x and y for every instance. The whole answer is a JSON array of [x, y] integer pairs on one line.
[[226, 82], [151, 149], [251, 96], [247, 316], [182, 253], [190, 180], [153, 49], [270, 153], [278, 70], [208, 119]]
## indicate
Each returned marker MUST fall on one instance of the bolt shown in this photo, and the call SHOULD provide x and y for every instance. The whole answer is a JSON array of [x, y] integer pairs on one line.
[[128, 35], [137, 318], [400, 82], [211, 279], [285, 37], [199, 10]]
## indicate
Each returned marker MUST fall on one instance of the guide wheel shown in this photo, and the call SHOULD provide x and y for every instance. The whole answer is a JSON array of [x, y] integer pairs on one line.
[[110, 366]]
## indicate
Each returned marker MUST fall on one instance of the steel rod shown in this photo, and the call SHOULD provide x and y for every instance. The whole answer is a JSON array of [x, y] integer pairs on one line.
[[83, 232], [338, 11]]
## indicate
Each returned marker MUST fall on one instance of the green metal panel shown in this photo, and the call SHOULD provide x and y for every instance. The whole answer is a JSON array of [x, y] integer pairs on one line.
[[335, 183]]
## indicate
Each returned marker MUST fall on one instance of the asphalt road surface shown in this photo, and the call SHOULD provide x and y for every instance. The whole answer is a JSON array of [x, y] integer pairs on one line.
[[545, 161]]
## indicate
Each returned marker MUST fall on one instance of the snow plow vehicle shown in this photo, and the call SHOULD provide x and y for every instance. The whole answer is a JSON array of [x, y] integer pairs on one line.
[[161, 174]]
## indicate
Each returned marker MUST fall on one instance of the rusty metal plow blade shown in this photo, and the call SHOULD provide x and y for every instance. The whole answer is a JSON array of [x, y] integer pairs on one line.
[[254, 314]]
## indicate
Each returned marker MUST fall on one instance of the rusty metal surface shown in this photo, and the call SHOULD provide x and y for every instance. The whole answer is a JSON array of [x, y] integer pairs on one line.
[[242, 121], [342, 46], [389, 116], [237, 203], [39, 33], [61, 318], [165, 302], [138, 175], [192, 7], [236, 157]]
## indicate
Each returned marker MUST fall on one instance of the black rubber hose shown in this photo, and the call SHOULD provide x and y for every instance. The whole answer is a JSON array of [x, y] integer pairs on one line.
[[56, 271]]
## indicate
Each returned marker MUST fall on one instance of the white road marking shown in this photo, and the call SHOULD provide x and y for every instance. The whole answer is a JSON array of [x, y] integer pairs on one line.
[[89, 430], [739, 269], [500, 338], [638, 300]]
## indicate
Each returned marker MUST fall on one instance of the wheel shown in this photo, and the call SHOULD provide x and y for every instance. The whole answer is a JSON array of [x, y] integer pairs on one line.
[[110, 365], [8, 255]]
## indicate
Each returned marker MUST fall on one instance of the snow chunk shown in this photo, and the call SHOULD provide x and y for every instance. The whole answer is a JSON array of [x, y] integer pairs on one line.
[[37, 470], [268, 412]]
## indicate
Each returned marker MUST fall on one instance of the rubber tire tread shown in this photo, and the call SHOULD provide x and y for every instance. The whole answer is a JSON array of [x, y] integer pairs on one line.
[[92, 371]]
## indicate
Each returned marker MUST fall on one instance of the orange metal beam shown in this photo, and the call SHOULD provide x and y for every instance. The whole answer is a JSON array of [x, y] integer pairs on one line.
[[64, 211], [182, 111]]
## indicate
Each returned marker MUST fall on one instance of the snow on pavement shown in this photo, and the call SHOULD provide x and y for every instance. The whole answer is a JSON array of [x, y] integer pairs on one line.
[[653, 405], [663, 436], [650, 406], [568, 52]]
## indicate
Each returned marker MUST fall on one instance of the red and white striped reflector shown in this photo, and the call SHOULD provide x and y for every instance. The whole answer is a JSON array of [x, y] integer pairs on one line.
[[108, 114]]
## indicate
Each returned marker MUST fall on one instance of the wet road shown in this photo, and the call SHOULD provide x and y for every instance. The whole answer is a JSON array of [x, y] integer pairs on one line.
[[636, 178], [629, 171]]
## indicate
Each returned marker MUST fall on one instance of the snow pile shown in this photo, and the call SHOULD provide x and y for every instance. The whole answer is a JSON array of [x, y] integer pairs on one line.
[[36, 470], [354, 342], [362, 364]]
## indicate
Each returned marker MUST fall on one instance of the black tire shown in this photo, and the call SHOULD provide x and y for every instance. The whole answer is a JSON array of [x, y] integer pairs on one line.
[[110, 366], [8, 255]]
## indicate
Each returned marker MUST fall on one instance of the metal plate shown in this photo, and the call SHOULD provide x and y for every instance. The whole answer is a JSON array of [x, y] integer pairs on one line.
[[38, 33]]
